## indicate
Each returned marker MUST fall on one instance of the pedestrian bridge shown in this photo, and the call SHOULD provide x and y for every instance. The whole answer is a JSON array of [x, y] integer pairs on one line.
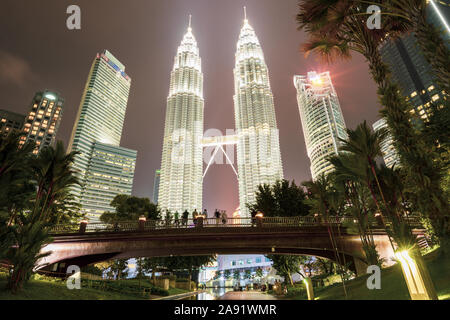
[[87, 243]]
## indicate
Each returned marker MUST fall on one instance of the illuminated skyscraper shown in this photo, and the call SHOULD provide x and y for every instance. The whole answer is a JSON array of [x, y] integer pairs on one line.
[[10, 121], [42, 122], [156, 185], [390, 155], [409, 67], [322, 120], [182, 164], [258, 149], [104, 168]]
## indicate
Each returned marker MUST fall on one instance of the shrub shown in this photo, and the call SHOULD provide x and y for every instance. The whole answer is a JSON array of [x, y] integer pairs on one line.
[[159, 291]]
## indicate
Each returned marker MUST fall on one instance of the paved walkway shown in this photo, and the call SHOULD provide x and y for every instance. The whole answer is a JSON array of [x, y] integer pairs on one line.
[[247, 295]]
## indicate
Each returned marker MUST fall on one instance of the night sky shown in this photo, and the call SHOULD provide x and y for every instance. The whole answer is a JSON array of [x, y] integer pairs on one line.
[[38, 52]]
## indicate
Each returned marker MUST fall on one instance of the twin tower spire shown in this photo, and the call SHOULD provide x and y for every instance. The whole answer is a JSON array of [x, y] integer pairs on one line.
[[258, 150]]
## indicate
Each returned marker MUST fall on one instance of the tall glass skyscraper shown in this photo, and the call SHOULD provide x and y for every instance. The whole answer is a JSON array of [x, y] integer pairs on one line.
[[258, 148], [104, 168], [156, 182], [390, 155], [410, 70], [182, 163], [322, 120]]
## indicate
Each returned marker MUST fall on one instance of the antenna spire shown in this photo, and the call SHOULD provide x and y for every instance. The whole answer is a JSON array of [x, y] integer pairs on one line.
[[190, 19], [245, 12]]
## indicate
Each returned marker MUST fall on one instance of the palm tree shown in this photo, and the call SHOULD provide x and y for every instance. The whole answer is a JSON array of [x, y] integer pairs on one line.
[[337, 27], [366, 146], [319, 195], [29, 240], [349, 177], [53, 174], [15, 180]]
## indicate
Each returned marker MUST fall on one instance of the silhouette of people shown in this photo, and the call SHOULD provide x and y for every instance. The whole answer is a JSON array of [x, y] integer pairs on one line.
[[195, 216], [185, 217], [253, 215], [224, 217], [177, 221], [217, 216], [168, 218]]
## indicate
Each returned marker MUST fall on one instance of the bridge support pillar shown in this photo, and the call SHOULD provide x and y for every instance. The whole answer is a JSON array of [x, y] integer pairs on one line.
[[360, 267], [141, 225], [259, 221], [200, 221]]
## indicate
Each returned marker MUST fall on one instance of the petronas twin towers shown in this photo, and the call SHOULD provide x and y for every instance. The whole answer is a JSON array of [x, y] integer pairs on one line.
[[258, 150]]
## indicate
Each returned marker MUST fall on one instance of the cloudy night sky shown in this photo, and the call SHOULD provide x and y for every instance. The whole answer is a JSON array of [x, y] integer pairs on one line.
[[38, 52]]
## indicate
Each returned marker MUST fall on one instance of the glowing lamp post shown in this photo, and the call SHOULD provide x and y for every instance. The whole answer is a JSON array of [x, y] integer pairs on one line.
[[309, 288], [83, 224], [417, 278], [259, 219], [142, 221]]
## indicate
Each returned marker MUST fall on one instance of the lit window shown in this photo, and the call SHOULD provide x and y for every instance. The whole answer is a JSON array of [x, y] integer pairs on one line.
[[413, 94]]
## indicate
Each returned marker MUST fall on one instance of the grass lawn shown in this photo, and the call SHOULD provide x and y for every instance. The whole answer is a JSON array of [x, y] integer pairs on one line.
[[49, 289], [393, 286]]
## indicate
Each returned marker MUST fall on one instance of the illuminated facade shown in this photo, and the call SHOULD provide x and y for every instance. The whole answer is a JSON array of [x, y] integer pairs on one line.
[[390, 155], [156, 182], [182, 163], [409, 67], [104, 168], [258, 149], [10, 121], [322, 120], [42, 122]]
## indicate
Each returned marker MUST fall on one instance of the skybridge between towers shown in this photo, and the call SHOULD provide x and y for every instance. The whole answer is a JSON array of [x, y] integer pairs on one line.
[[218, 143]]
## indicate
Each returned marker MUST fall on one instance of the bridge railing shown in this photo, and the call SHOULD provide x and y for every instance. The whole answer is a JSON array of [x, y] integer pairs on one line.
[[261, 222]]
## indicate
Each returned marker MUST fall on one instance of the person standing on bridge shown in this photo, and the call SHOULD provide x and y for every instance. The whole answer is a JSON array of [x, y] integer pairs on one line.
[[177, 221], [253, 215], [217, 216], [185, 217], [195, 216], [205, 216], [224, 217]]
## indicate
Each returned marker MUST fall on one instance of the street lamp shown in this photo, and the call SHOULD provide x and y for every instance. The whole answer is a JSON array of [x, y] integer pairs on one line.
[[417, 278]]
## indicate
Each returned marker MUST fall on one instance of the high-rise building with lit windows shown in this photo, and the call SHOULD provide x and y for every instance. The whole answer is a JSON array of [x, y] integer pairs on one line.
[[390, 155], [42, 122], [10, 121], [409, 67], [156, 182], [104, 168], [322, 120], [258, 148], [182, 163]]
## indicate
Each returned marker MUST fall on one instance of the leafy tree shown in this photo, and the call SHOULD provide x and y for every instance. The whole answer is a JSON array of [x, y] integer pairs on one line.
[[153, 265], [286, 265], [247, 274], [236, 275], [227, 274], [259, 273], [131, 208], [92, 269], [188, 263], [282, 199], [119, 269]]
